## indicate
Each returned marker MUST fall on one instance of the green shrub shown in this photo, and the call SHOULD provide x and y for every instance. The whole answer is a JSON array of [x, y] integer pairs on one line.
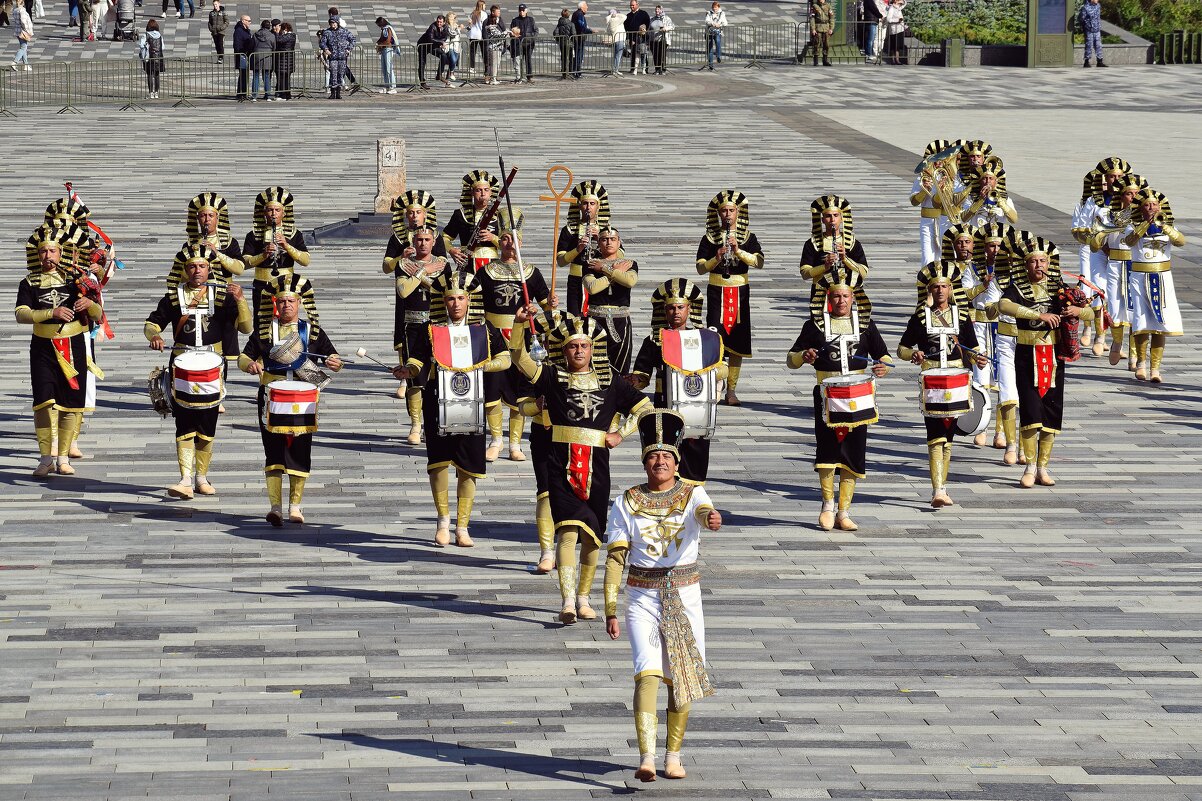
[[1150, 18]]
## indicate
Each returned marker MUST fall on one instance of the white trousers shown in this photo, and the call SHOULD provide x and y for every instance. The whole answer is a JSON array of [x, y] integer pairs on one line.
[[1143, 316], [642, 627], [1007, 384]]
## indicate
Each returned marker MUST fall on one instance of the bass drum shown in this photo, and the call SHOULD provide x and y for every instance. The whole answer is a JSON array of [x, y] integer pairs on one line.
[[977, 419]]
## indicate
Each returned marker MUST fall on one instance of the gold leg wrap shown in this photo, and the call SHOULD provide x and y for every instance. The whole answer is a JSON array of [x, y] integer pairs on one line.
[[68, 430], [53, 430], [465, 496], [544, 524], [565, 559], [1009, 416], [185, 454], [847, 488], [589, 553], [732, 376], [1046, 438], [275, 488], [1099, 324], [204, 455], [439, 486], [1157, 354], [495, 416], [826, 480], [413, 404], [1140, 345], [1116, 333], [44, 429], [1030, 444], [296, 490], [517, 424], [646, 688], [678, 721], [947, 463], [935, 464]]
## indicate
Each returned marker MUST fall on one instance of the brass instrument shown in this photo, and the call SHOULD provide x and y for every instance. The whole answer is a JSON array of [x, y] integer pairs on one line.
[[939, 170], [1119, 221]]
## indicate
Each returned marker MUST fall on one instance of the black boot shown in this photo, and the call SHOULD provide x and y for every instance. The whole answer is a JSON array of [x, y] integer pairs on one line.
[[1101, 63], [826, 62], [1086, 64]]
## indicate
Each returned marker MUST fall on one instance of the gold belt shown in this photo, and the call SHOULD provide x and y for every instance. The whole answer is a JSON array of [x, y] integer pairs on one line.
[[662, 578], [931, 213], [1151, 266], [1026, 337], [266, 274], [824, 374], [57, 330], [500, 320], [578, 435], [608, 312], [716, 279], [575, 270], [1119, 255]]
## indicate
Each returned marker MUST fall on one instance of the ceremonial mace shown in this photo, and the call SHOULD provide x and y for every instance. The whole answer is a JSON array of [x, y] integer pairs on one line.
[[537, 351]]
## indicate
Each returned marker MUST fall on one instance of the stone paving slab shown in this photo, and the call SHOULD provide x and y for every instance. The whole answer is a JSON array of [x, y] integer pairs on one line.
[[1021, 645]]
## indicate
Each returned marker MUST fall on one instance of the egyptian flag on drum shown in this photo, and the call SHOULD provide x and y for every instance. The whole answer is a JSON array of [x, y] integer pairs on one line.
[[197, 388], [461, 347], [946, 394], [691, 350], [850, 405], [292, 407]]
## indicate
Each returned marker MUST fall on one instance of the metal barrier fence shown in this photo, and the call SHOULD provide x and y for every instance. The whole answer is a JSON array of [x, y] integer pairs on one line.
[[69, 84], [1179, 47]]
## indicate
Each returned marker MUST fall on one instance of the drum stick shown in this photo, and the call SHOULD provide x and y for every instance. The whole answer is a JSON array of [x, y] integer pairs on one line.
[[322, 359]]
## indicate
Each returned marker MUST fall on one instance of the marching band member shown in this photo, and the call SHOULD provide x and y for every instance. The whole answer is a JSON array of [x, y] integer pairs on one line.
[[987, 199], [1153, 300], [974, 154], [416, 269], [275, 246], [461, 345], [288, 448], [507, 283], [411, 210], [932, 198], [1032, 300], [676, 306], [940, 334], [544, 324], [209, 224], [203, 313], [475, 196], [607, 284], [656, 528], [832, 241], [1107, 238], [60, 307], [727, 252], [581, 398], [840, 339], [588, 213], [986, 274], [1090, 217]]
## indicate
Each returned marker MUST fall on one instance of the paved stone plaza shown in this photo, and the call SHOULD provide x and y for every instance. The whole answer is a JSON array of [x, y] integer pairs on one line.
[[1024, 644]]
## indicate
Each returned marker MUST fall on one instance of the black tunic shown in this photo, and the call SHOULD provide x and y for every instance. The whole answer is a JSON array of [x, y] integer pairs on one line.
[[459, 231], [738, 339], [694, 451], [395, 250], [813, 256], [502, 298], [849, 451], [50, 385], [464, 451], [291, 453], [417, 303], [267, 271], [940, 429], [1043, 411]]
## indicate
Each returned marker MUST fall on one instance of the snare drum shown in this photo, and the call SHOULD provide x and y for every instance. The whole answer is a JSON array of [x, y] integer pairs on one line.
[[196, 381], [158, 385], [946, 392], [977, 419], [849, 401], [460, 401], [291, 407], [694, 396]]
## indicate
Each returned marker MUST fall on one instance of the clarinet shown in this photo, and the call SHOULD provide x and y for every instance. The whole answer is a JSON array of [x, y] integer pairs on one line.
[[590, 251], [275, 253], [728, 261]]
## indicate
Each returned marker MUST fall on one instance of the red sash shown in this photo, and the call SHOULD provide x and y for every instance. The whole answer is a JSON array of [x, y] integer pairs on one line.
[[583, 302], [1045, 367], [63, 346], [580, 467], [730, 307], [479, 262]]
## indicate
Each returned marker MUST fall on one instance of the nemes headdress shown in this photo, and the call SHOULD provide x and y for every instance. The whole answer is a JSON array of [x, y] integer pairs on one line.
[[676, 290], [69, 237], [584, 191], [452, 283], [1001, 233], [827, 203], [943, 271], [1127, 182], [839, 278], [67, 209], [1166, 211], [1024, 248], [661, 430], [713, 223], [190, 252], [936, 145], [214, 201], [505, 225], [1092, 178], [975, 147], [1107, 166], [469, 181], [406, 201], [294, 285], [576, 328], [275, 195], [990, 167], [954, 232]]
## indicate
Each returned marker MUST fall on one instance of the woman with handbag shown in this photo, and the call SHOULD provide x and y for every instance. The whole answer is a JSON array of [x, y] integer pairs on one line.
[[451, 53], [150, 49], [285, 60], [386, 46], [23, 27]]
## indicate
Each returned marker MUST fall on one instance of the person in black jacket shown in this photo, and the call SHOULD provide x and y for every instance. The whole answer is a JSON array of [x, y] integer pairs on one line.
[[285, 60], [563, 37], [431, 41], [244, 47], [634, 20], [263, 61], [580, 24], [523, 44]]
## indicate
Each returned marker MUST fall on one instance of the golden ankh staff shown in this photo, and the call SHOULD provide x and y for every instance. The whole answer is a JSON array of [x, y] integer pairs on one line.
[[558, 197]]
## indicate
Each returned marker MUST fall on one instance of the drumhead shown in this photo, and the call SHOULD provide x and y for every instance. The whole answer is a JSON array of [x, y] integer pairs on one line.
[[293, 386], [198, 360], [846, 380], [974, 422]]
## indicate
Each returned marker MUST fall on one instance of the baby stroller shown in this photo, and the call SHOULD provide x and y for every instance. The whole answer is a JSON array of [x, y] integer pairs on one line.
[[126, 27]]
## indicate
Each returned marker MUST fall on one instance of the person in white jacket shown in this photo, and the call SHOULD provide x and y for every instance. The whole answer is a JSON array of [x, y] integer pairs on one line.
[[617, 35], [715, 22], [661, 39], [23, 28]]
